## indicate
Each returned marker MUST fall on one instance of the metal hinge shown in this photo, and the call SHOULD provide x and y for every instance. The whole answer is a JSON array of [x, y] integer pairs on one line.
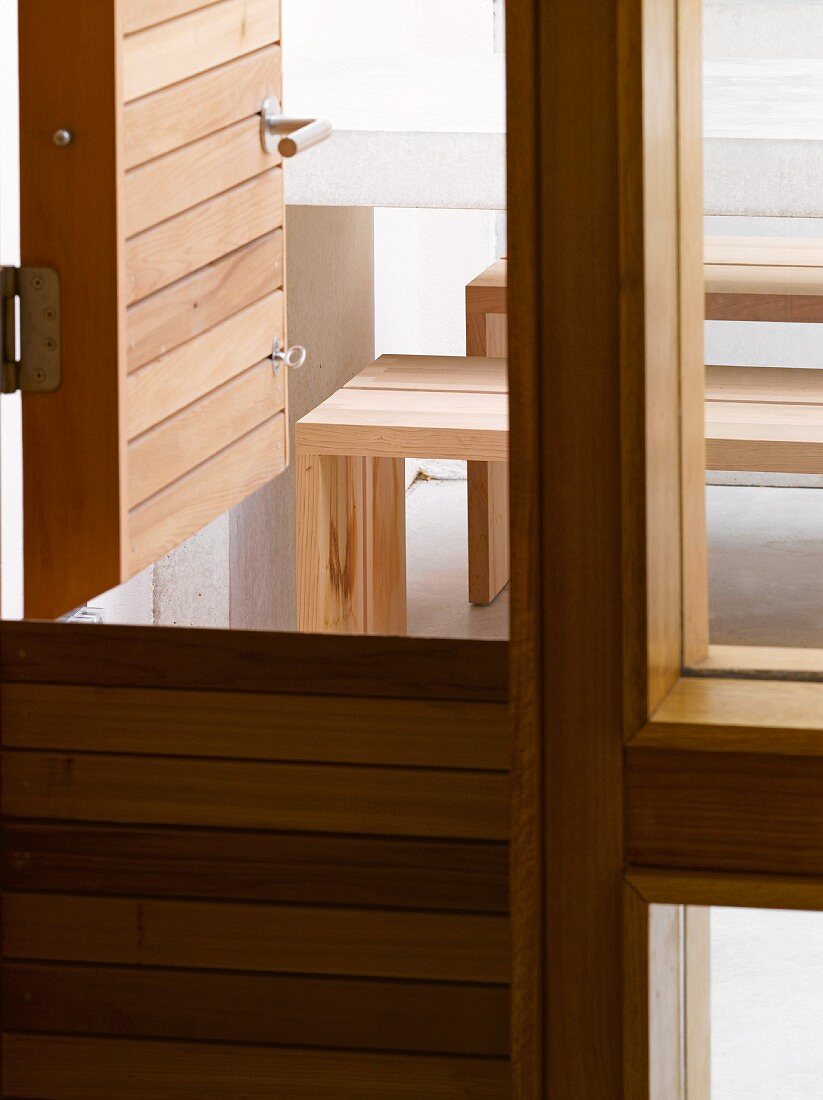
[[30, 316]]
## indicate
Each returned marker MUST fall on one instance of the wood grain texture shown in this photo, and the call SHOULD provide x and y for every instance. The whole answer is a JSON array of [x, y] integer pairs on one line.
[[184, 441], [237, 660], [707, 888], [488, 525], [526, 230], [331, 544], [170, 517], [297, 939], [200, 40], [198, 367], [69, 1068], [653, 1006], [739, 715], [697, 994], [232, 794], [384, 424], [309, 869], [200, 236], [697, 810], [434, 373], [73, 537], [196, 303], [488, 483], [139, 14], [276, 1009], [417, 733], [777, 661], [195, 108], [691, 331], [666, 274], [179, 180]]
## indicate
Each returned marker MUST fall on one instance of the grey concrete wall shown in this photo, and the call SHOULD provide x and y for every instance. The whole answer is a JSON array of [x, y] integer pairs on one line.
[[330, 293]]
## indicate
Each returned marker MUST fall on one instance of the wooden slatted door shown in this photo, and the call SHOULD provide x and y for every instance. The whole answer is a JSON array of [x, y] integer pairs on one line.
[[164, 219], [248, 865]]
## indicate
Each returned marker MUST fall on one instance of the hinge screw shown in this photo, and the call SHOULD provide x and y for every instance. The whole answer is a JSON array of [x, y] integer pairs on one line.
[[49, 314], [50, 344], [38, 282], [39, 376]]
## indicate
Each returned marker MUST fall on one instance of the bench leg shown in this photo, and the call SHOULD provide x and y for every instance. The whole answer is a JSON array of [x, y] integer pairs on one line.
[[488, 530], [351, 545]]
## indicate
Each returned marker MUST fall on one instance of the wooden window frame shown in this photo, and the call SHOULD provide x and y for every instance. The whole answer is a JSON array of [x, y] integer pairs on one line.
[[614, 686]]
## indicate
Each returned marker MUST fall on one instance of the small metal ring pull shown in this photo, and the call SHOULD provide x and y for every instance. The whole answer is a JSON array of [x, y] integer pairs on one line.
[[289, 136], [294, 357]]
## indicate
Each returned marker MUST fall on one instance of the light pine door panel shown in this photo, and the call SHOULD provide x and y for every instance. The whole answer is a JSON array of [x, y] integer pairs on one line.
[[171, 265]]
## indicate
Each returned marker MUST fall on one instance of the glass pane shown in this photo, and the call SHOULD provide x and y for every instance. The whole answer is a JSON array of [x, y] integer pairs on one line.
[[766, 1005], [763, 128]]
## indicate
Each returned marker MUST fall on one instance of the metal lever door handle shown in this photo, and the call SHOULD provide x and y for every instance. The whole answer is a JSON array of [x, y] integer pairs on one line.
[[289, 136]]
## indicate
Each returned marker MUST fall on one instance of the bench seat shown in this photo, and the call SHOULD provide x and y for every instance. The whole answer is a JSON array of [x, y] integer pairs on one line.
[[351, 452], [764, 419], [420, 406]]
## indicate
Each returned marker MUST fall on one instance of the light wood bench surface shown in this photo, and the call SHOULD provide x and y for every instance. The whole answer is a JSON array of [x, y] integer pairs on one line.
[[351, 452], [747, 279], [764, 419]]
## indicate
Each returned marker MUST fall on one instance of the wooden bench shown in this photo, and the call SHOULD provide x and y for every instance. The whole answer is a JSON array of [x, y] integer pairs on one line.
[[757, 419], [351, 451], [764, 419]]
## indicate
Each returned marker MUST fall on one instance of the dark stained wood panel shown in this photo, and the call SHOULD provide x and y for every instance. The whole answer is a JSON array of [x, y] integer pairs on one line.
[[256, 1008], [246, 795], [456, 947], [70, 1068], [693, 810], [62, 857], [214, 660], [419, 733]]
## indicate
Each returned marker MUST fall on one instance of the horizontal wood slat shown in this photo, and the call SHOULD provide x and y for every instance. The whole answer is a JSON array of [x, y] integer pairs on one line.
[[691, 810], [195, 108], [200, 40], [183, 723], [139, 14], [247, 866], [236, 660], [166, 520], [714, 714], [234, 794], [388, 423], [779, 385], [200, 236], [433, 373], [188, 308], [180, 377], [182, 179], [173, 448], [256, 1008], [227, 936], [70, 1068]]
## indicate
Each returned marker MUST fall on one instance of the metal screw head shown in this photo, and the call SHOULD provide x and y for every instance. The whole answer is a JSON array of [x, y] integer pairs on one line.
[[62, 137], [49, 314], [39, 376], [38, 282], [50, 344]]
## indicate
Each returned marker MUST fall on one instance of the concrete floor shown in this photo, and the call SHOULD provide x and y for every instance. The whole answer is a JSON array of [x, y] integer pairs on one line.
[[765, 550], [765, 554], [437, 564]]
